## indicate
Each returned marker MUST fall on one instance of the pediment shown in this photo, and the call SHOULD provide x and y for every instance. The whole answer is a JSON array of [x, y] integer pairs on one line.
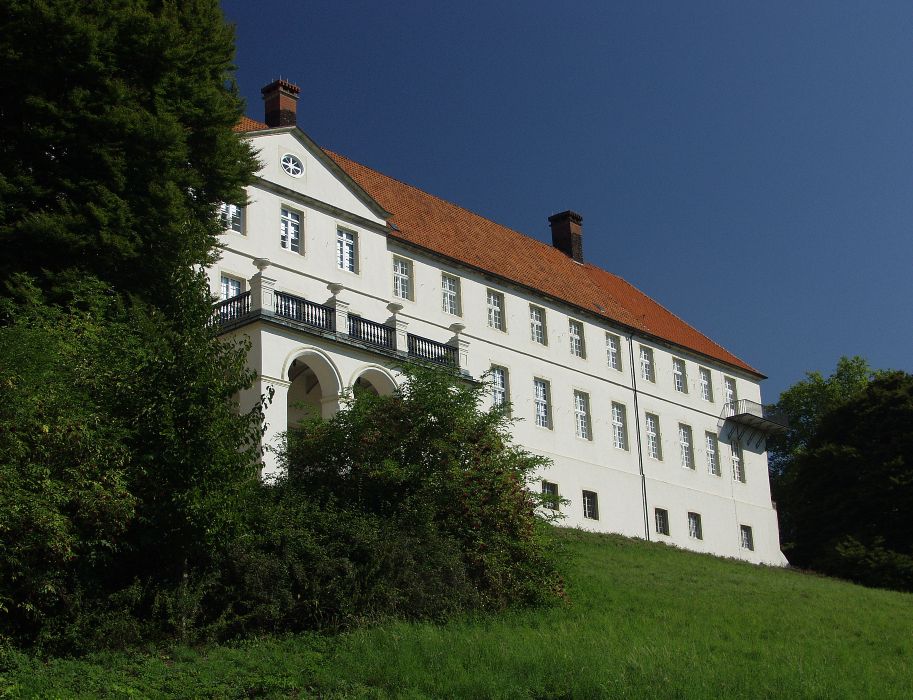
[[311, 173]]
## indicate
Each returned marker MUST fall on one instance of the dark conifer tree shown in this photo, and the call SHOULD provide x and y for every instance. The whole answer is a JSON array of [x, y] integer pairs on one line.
[[116, 146]]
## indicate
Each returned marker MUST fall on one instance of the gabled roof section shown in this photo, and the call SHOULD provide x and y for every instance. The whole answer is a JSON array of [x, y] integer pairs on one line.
[[423, 220], [248, 125]]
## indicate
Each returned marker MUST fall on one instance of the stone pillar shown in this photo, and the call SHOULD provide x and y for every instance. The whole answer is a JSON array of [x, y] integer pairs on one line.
[[402, 336], [262, 289], [462, 345], [463, 350], [328, 406], [275, 420], [342, 308]]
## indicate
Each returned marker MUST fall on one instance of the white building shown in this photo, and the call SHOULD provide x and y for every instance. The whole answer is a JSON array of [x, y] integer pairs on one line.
[[334, 271]]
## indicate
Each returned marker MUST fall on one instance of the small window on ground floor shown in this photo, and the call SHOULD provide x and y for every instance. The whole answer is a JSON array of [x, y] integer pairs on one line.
[[661, 515], [550, 491], [747, 537], [590, 505]]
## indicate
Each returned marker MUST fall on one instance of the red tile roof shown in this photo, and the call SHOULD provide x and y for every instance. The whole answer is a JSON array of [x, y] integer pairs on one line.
[[248, 124], [447, 229]]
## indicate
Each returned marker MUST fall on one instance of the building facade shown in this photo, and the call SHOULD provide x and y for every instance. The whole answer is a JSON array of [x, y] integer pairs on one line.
[[336, 272]]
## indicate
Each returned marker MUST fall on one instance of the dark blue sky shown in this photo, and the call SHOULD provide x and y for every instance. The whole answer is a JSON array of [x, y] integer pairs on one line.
[[747, 164]]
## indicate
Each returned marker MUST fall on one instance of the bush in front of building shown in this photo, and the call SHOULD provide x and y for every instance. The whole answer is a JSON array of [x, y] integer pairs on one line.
[[414, 504]]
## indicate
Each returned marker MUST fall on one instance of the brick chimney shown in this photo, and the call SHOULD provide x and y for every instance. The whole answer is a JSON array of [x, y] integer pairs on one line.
[[567, 234], [280, 102]]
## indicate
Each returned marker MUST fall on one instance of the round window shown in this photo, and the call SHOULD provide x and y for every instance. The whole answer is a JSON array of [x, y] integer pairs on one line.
[[292, 165]]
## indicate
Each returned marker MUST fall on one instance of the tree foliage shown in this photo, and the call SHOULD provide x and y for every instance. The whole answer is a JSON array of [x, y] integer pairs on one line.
[[430, 461], [852, 492], [804, 404], [125, 464], [115, 143]]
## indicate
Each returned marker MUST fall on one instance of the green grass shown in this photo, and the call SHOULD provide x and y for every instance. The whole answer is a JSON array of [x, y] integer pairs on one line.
[[642, 621]]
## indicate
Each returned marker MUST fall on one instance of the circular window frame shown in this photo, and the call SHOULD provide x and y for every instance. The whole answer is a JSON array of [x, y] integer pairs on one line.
[[288, 161]]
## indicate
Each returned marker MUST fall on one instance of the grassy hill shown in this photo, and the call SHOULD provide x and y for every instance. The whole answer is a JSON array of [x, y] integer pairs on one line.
[[642, 621]]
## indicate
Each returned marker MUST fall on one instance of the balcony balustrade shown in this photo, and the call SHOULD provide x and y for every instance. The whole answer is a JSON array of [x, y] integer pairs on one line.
[[425, 349], [324, 318], [372, 333], [304, 311], [230, 309], [755, 414]]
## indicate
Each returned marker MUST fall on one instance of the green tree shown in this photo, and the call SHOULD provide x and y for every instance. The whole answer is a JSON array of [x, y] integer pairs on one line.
[[116, 142], [116, 146], [852, 491], [804, 404]]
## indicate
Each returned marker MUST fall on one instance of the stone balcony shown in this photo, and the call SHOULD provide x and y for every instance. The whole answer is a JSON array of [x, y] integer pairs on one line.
[[264, 303]]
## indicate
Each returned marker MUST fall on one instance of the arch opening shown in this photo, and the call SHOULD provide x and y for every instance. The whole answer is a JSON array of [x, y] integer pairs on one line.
[[375, 381], [313, 389]]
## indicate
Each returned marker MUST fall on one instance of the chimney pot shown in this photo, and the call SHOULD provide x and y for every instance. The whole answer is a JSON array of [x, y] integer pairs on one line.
[[280, 103], [567, 234]]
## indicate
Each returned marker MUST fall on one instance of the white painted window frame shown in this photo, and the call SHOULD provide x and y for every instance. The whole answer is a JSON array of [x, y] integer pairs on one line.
[[290, 226], [347, 250]]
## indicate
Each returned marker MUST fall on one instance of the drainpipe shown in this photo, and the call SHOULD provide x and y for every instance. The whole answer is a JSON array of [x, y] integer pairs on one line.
[[640, 452]]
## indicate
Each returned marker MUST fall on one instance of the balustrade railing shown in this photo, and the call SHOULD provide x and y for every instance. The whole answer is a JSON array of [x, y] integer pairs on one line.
[[753, 408], [324, 317], [229, 309], [431, 350], [372, 333], [304, 311]]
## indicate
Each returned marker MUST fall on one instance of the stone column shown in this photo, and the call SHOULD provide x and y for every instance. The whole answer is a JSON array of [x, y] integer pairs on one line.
[[262, 289], [342, 308], [275, 418], [329, 405], [462, 345], [402, 335]]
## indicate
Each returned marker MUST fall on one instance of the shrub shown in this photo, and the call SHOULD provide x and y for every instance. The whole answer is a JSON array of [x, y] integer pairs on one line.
[[431, 465]]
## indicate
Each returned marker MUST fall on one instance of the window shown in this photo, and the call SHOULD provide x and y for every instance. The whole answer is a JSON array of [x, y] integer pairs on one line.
[[543, 413], [232, 216], [402, 278], [550, 491], [694, 526], [730, 395], [292, 165], [450, 294], [345, 250], [499, 391], [613, 350], [738, 465], [661, 515], [679, 375], [713, 462], [646, 364], [706, 385], [747, 538], [654, 449], [537, 325], [619, 426], [582, 414], [590, 505], [231, 288], [575, 330], [496, 310], [290, 230], [685, 445]]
